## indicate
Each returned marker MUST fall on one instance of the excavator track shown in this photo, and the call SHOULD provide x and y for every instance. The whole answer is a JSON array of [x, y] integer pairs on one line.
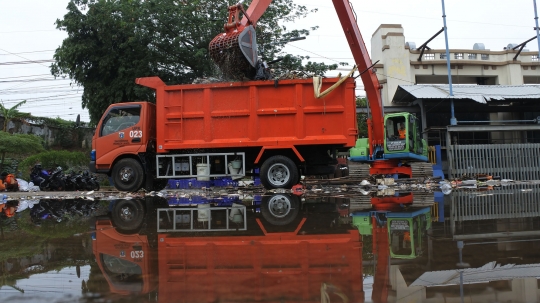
[[358, 170], [361, 171], [421, 169]]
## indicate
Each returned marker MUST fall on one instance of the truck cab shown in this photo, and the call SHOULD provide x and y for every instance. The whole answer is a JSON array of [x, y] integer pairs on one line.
[[123, 136]]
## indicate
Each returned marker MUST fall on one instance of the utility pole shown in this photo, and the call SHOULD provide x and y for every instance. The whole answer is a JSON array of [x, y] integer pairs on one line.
[[453, 120], [537, 29]]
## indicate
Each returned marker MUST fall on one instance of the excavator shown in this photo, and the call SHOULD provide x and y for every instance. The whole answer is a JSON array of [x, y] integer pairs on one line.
[[397, 228], [393, 145]]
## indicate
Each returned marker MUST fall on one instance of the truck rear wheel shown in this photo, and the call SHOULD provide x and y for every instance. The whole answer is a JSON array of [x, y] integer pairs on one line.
[[128, 175], [280, 209], [279, 172]]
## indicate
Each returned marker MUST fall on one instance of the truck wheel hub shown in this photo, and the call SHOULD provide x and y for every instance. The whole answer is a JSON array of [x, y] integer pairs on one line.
[[279, 207], [278, 174], [126, 174], [126, 214]]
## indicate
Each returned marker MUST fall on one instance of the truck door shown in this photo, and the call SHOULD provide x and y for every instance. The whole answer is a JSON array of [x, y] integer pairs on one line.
[[121, 131]]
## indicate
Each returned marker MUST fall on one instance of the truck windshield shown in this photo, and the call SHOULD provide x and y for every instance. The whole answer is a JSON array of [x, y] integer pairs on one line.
[[124, 275], [119, 119]]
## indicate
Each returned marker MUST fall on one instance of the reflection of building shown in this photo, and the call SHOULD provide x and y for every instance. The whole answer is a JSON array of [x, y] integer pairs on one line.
[[498, 229], [490, 283]]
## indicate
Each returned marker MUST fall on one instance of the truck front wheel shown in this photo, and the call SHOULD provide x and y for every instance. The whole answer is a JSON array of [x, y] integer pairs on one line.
[[128, 215], [279, 172], [128, 175]]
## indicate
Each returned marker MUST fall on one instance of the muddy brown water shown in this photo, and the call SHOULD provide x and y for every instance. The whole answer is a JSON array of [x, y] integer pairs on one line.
[[274, 248]]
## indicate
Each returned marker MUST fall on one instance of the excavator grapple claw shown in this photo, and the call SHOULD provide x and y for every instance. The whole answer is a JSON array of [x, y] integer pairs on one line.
[[235, 52]]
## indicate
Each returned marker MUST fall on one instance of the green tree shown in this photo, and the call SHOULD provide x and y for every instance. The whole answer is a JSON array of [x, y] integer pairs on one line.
[[361, 118], [11, 113], [112, 42], [19, 145]]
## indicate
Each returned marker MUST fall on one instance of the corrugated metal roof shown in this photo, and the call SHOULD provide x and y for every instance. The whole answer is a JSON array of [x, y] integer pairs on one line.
[[489, 272], [478, 93]]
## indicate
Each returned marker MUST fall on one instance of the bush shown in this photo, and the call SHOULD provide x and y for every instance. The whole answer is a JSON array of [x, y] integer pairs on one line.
[[51, 159]]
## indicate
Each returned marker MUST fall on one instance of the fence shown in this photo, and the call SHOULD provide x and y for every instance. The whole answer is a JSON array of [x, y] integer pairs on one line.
[[509, 161], [506, 203]]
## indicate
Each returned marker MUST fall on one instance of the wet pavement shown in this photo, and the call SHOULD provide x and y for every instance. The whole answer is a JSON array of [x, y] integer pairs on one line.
[[326, 244]]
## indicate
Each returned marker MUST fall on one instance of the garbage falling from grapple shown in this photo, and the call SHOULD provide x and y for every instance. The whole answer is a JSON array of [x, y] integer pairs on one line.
[[235, 50], [228, 54]]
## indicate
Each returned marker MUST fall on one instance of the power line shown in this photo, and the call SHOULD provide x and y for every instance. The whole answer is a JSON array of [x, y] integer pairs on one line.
[[32, 52], [16, 77], [421, 17], [33, 80], [31, 31], [20, 56], [27, 62]]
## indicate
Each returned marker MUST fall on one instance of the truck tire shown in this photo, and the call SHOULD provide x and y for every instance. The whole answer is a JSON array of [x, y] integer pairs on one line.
[[128, 175], [279, 172], [128, 215], [280, 209]]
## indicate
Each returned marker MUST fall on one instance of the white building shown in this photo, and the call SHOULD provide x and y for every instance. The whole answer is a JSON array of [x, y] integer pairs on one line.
[[404, 63]]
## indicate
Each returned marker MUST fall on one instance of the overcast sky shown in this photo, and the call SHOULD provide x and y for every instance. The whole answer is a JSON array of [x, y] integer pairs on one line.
[[28, 33]]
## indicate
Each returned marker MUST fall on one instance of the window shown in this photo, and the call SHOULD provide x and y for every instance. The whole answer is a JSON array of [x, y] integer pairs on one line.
[[119, 119], [458, 56], [485, 56], [442, 56], [534, 58], [429, 56], [472, 56]]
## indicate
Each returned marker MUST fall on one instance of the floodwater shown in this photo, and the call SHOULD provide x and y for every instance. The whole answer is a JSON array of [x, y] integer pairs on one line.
[[469, 246]]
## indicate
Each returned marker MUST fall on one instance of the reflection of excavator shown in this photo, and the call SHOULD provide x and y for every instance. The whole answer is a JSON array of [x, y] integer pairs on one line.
[[397, 229], [309, 259], [385, 149]]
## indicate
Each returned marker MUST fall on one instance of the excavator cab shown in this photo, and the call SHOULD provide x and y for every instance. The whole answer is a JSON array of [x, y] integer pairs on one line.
[[405, 233], [405, 229], [403, 138]]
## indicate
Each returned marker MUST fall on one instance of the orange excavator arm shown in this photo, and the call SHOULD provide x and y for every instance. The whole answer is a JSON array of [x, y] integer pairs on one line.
[[255, 10], [363, 62], [381, 251]]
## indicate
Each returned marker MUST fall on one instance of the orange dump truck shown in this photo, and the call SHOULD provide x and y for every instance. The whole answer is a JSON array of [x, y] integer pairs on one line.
[[276, 128]]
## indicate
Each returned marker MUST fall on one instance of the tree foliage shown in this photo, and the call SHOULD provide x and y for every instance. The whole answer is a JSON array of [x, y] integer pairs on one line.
[[112, 42], [18, 145], [361, 118], [11, 113]]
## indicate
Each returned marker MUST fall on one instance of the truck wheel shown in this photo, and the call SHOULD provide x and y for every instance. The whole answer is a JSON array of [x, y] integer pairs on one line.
[[128, 215], [280, 209], [279, 172], [128, 175]]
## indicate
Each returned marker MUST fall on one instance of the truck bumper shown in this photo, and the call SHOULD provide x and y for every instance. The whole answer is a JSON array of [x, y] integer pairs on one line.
[[93, 169]]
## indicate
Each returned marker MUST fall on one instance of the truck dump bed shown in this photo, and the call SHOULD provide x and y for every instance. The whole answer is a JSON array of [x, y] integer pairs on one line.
[[280, 267], [253, 114]]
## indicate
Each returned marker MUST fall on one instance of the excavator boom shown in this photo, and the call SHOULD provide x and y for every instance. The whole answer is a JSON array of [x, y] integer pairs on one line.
[[363, 62]]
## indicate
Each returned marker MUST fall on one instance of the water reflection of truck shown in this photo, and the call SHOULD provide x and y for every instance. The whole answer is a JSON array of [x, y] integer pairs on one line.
[[302, 261]]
